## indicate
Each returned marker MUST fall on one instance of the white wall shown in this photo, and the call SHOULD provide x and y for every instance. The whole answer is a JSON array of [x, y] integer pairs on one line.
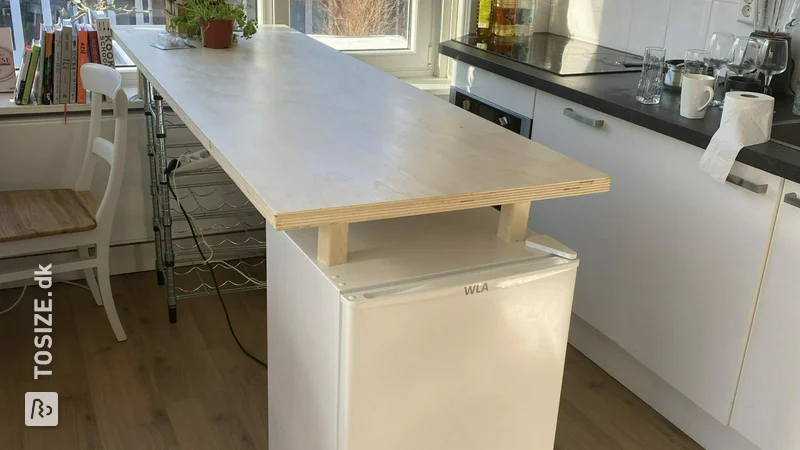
[[42, 152], [634, 24]]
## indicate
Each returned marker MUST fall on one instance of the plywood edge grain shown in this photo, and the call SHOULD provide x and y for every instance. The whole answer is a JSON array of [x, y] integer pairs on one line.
[[432, 205]]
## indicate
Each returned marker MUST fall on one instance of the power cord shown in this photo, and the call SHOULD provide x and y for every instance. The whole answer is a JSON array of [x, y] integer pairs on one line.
[[22, 294], [25, 287], [170, 168]]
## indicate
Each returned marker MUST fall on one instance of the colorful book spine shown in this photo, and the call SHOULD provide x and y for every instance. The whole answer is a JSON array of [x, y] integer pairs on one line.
[[23, 72], [103, 27], [49, 41], [66, 48], [73, 68], [83, 58], [40, 68], [94, 47], [8, 76], [57, 66], [34, 56]]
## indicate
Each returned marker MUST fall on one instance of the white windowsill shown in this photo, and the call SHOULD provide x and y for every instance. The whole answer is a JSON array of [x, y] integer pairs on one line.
[[363, 43], [9, 108]]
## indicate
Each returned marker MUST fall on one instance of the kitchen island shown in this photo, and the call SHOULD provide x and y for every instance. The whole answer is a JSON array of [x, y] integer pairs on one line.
[[318, 140]]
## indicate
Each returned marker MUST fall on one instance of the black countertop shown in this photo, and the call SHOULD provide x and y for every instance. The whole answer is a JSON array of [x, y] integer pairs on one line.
[[614, 94]]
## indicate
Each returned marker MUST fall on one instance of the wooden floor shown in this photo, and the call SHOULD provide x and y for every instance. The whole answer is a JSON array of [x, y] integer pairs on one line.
[[187, 386]]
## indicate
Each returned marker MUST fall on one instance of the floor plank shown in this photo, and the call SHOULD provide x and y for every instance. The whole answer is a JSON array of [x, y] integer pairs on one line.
[[187, 386]]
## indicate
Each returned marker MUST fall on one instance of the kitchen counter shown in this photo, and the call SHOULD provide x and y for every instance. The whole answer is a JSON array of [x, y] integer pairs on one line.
[[615, 93], [317, 139]]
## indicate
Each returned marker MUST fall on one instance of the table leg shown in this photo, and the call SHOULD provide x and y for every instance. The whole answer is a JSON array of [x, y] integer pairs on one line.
[[513, 225], [154, 192], [332, 244]]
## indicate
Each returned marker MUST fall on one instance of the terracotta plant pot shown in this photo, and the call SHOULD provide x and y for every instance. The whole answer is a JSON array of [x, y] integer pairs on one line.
[[217, 33]]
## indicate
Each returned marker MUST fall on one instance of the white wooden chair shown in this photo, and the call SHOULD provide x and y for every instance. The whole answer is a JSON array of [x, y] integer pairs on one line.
[[40, 221]]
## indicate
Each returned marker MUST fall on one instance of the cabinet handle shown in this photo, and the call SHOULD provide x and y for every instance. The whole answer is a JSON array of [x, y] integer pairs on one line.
[[791, 198], [749, 185], [596, 123]]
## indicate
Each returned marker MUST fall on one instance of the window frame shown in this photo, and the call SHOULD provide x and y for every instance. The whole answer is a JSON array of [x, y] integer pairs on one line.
[[432, 21]]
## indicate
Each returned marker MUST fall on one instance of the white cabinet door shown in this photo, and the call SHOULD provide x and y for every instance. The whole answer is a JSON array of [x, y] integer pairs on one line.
[[671, 261], [767, 406]]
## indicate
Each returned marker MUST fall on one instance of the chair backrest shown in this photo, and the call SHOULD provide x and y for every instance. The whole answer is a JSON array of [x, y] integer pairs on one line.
[[102, 80]]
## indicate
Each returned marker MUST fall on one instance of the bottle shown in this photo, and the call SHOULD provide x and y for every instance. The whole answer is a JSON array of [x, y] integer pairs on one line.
[[526, 11], [484, 23], [505, 18]]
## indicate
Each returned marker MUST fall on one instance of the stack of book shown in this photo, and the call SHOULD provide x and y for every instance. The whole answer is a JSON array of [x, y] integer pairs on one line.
[[50, 73]]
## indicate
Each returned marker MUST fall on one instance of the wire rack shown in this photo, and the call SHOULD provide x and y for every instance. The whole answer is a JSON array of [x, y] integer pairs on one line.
[[229, 228]]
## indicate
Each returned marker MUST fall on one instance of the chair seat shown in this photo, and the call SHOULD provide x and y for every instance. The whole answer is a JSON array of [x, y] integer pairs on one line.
[[38, 213]]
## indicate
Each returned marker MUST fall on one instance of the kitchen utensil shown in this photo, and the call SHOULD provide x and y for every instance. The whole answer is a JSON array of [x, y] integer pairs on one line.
[[719, 47], [773, 58], [695, 61], [673, 74], [697, 93], [772, 17], [651, 82]]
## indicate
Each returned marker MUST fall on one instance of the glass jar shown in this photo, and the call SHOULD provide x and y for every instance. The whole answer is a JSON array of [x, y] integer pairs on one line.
[[505, 18]]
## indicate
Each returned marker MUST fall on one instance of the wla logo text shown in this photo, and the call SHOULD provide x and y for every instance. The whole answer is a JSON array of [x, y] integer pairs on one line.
[[476, 288]]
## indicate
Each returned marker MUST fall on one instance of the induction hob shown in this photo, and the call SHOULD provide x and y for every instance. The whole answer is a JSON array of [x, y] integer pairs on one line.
[[557, 54]]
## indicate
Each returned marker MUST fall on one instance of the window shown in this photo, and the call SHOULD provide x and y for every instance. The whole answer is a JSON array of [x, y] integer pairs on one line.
[[26, 16], [394, 35]]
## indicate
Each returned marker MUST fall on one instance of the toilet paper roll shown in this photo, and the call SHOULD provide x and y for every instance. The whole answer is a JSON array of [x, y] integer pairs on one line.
[[746, 120]]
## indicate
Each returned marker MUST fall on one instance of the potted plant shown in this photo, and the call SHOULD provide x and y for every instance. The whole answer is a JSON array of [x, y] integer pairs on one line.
[[215, 20]]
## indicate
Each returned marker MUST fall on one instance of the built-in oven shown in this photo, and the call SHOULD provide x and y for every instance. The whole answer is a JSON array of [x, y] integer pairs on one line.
[[492, 112]]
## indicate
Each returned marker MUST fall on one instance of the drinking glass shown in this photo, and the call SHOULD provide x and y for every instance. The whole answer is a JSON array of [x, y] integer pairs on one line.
[[651, 82], [719, 47], [772, 59], [695, 61], [743, 56]]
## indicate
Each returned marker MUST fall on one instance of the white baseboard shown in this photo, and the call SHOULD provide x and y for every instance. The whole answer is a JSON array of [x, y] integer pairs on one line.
[[654, 391], [123, 258]]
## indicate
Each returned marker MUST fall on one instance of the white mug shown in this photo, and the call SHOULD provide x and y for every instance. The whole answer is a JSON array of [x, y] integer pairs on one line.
[[694, 90]]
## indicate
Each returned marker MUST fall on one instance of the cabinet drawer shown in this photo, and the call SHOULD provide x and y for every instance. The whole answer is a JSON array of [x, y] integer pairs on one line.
[[671, 261], [767, 407]]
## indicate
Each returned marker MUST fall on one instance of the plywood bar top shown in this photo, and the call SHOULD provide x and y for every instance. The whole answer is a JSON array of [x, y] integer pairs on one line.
[[314, 137]]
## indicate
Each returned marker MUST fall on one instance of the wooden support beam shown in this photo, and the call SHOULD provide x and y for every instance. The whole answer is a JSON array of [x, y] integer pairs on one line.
[[513, 225], [332, 244]]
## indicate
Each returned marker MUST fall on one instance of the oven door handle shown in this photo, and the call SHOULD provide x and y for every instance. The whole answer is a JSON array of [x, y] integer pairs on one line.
[[596, 123]]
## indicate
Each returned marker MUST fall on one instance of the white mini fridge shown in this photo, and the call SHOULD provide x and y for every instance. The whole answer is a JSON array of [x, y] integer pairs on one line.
[[435, 335]]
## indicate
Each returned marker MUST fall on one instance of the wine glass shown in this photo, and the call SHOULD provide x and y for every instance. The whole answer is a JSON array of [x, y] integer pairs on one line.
[[719, 47], [743, 56], [772, 59], [695, 61]]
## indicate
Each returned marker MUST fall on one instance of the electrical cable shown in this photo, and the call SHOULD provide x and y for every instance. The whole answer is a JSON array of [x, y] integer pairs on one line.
[[189, 220], [25, 287], [22, 294], [210, 258]]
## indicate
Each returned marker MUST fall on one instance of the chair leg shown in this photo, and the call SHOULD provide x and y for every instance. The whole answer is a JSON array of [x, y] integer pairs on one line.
[[83, 252], [104, 279]]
